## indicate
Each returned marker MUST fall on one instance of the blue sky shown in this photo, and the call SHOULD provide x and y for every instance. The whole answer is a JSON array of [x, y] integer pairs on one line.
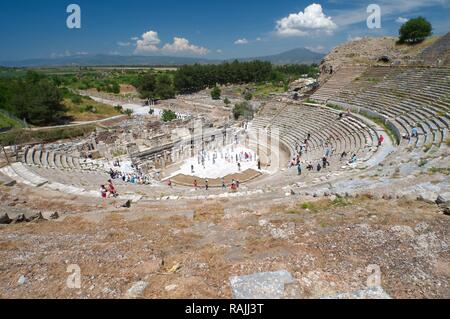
[[211, 29]]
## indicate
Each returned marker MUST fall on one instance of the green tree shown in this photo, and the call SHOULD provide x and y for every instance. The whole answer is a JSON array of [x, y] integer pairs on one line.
[[168, 116], [129, 112], [164, 88], [119, 108], [215, 93], [415, 31], [147, 86], [227, 102], [248, 96], [243, 110], [37, 100]]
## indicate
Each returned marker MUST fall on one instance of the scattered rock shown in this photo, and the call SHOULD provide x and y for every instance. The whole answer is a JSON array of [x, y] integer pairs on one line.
[[443, 199], [19, 219], [22, 280], [4, 219], [428, 197], [55, 215], [268, 285], [171, 287], [127, 204], [35, 217], [136, 290]]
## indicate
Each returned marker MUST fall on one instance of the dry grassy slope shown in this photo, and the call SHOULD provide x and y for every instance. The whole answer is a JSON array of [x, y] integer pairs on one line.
[[367, 51], [326, 246]]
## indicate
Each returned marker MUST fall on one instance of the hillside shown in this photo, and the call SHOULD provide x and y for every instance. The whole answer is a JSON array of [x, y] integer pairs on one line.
[[369, 51]]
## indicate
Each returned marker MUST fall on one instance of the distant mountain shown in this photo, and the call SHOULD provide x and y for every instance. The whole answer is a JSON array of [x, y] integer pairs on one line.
[[106, 60], [296, 56]]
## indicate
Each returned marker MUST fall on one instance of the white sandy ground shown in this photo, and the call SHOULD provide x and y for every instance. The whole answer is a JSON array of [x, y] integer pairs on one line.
[[222, 166]]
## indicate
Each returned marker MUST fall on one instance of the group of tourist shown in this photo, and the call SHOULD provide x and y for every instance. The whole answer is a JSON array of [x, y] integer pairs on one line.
[[414, 133], [234, 186], [325, 161], [229, 156], [132, 178]]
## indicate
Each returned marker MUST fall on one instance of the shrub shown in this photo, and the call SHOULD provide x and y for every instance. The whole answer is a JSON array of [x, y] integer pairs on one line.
[[119, 108], [215, 93], [76, 99], [168, 116], [415, 31], [243, 110], [129, 112], [90, 108]]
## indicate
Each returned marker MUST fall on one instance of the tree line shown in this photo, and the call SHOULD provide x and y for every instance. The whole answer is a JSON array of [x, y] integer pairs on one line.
[[33, 98], [194, 78]]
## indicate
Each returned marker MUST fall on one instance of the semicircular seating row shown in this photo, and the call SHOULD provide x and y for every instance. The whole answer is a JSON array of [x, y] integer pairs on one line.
[[349, 134], [36, 156], [408, 97]]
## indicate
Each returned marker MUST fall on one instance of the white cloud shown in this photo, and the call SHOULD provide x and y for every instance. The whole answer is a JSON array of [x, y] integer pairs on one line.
[[134, 38], [182, 45], [258, 39], [317, 49], [123, 44], [148, 43], [241, 41], [309, 22], [219, 51], [401, 20], [351, 39]]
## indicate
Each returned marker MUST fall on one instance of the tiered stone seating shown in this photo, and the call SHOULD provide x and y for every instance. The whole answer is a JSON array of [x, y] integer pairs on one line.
[[408, 97], [349, 134], [337, 82], [21, 174], [49, 159], [6, 180]]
